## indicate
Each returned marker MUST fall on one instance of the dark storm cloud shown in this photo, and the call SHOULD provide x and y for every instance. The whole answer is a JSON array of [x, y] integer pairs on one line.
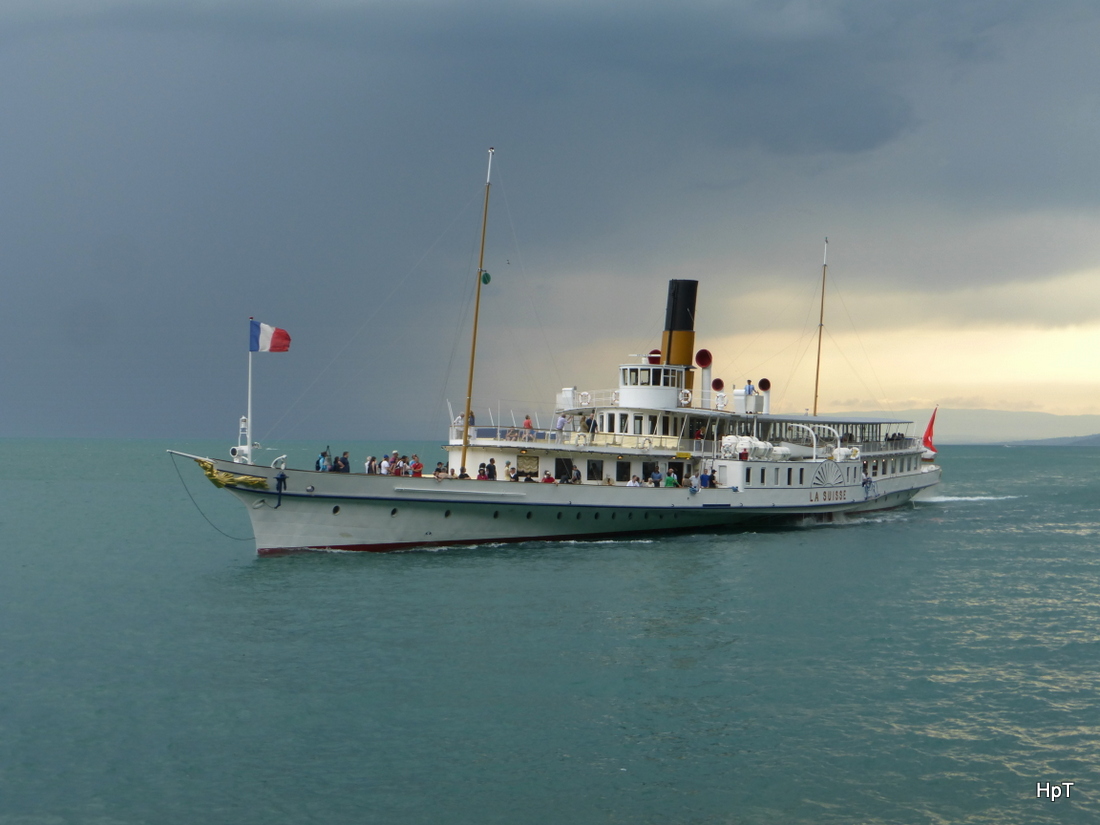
[[172, 168]]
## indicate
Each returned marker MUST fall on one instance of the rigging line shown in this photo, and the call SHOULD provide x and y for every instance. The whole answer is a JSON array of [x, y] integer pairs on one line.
[[852, 367], [526, 281], [870, 365], [201, 513], [460, 328], [398, 283]]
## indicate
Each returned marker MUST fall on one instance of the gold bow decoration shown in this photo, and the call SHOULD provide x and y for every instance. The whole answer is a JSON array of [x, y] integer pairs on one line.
[[221, 478]]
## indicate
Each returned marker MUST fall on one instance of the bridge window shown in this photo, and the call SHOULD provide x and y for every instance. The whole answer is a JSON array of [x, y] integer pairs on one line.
[[637, 425], [623, 419], [633, 378], [644, 378]]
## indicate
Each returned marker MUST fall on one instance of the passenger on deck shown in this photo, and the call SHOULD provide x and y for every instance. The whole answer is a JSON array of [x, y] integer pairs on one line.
[[590, 424], [481, 474], [528, 428], [559, 428], [671, 480], [705, 479], [575, 476], [510, 472], [634, 482], [548, 479], [749, 388], [440, 470], [491, 469], [371, 467], [512, 435], [609, 482], [656, 477], [417, 467], [462, 473]]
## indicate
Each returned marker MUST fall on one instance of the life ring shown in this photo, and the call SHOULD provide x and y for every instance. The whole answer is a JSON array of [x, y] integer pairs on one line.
[[581, 440], [615, 397], [720, 401], [647, 444], [685, 397], [585, 398]]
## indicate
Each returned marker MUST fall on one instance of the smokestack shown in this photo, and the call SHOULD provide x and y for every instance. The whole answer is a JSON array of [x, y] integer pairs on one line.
[[678, 341]]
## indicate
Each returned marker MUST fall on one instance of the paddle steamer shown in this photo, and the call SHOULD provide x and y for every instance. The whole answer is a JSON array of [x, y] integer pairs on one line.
[[734, 461]]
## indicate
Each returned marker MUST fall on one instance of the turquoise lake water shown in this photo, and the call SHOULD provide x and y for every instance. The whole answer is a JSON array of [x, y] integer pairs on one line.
[[927, 665]]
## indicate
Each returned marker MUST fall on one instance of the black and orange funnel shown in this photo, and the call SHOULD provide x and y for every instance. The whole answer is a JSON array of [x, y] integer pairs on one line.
[[678, 340]]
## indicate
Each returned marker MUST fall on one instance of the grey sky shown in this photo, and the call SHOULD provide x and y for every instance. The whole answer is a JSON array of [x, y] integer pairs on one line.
[[171, 168]]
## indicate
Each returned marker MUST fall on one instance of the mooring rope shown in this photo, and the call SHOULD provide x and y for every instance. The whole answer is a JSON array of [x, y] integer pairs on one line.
[[201, 513]]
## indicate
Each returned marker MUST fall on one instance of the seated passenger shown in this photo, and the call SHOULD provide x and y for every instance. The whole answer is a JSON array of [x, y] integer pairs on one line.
[[548, 479]]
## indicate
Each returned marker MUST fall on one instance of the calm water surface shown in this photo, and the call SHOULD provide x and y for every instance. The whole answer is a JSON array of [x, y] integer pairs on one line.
[[929, 665]]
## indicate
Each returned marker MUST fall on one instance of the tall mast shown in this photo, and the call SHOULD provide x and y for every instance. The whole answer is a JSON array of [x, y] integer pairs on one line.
[[820, 324], [477, 308]]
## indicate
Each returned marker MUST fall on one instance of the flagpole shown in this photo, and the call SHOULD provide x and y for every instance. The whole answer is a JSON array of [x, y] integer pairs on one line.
[[248, 419]]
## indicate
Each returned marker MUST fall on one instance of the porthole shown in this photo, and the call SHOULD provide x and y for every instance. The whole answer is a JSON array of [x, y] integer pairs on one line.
[[393, 512], [310, 488], [559, 515], [646, 515], [612, 516], [529, 514], [496, 513], [336, 509], [446, 513], [596, 516], [630, 515], [578, 516]]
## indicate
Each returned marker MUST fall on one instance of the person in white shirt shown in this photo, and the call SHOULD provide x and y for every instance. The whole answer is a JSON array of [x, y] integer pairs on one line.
[[634, 482]]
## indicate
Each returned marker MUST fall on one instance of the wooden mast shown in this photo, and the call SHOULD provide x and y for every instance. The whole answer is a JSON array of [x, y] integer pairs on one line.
[[820, 324], [477, 307]]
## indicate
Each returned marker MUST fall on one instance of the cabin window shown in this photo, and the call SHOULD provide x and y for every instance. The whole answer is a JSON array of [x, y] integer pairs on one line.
[[648, 469], [528, 464], [664, 425], [637, 425], [563, 468], [801, 475], [874, 469], [893, 465], [790, 475], [623, 419], [748, 475], [644, 378], [622, 471], [595, 470], [633, 378], [763, 480], [776, 479]]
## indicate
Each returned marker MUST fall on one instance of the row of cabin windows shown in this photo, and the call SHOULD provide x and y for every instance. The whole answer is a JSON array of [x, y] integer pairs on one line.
[[635, 424], [777, 474], [890, 466], [885, 466], [652, 377]]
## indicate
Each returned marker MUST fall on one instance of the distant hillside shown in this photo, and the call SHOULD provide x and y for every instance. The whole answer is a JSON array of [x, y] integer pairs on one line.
[[1071, 441], [1000, 426]]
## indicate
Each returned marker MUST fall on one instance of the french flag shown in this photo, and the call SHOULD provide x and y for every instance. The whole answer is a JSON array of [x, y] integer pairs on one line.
[[266, 338]]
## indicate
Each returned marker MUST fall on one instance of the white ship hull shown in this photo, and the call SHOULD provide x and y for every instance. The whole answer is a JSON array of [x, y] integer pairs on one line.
[[378, 513]]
